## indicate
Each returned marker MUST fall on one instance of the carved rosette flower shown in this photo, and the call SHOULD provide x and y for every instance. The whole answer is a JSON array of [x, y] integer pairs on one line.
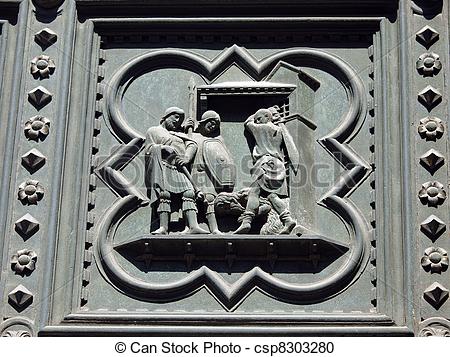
[[37, 128], [24, 261], [30, 192], [431, 128], [428, 64], [432, 193], [42, 66], [435, 260]]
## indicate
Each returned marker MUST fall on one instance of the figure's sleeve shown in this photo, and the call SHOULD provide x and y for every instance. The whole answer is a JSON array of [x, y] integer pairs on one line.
[[249, 124], [150, 139], [191, 149]]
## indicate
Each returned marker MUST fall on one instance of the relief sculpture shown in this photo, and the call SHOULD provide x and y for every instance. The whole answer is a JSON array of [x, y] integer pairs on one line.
[[226, 187], [189, 158], [195, 166], [168, 153], [269, 172], [242, 168], [213, 169]]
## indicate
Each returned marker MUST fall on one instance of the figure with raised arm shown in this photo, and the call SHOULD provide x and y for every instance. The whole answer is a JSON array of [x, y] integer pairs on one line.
[[273, 146]]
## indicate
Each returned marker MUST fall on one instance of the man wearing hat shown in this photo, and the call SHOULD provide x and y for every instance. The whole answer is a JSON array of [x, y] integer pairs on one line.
[[213, 170], [168, 150]]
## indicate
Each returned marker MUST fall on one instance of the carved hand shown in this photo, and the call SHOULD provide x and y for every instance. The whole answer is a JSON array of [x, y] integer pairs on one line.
[[181, 161], [189, 124], [200, 196], [168, 150], [250, 119]]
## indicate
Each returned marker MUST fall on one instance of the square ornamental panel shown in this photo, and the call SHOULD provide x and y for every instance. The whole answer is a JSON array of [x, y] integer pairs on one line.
[[239, 167], [231, 173]]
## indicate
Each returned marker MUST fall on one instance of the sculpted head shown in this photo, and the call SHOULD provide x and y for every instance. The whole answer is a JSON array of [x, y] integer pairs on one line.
[[263, 116], [275, 110], [173, 118], [209, 124]]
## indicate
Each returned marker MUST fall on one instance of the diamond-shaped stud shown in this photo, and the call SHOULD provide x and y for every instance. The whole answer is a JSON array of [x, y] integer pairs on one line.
[[433, 227], [26, 226], [430, 97], [45, 37], [427, 36], [432, 160], [436, 294], [33, 160], [20, 298], [39, 97]]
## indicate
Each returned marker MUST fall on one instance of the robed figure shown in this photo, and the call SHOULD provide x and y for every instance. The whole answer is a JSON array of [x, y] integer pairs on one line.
[[168, 153]]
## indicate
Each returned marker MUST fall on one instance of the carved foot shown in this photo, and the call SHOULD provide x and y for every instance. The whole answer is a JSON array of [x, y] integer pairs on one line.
[[197, 230], [160, 230], [243, 228], [217, 232], [288, 227]]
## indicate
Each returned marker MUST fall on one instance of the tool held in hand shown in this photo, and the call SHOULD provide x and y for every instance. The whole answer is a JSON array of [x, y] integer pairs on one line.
[[309, 123], [198, 194]]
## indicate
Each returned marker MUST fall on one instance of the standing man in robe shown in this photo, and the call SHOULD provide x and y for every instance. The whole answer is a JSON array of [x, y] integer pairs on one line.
[[168, 151]]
